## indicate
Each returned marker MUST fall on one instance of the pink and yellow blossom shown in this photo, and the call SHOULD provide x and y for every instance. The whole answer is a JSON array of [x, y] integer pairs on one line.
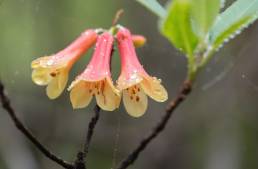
[[52, 71], [96, 79], [133, 81]]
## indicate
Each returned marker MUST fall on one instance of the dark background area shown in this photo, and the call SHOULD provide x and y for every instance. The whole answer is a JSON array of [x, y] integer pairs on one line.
[[215, 128]]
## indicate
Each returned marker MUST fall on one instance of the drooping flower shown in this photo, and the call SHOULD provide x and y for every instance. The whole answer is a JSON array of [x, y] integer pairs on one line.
[[96, 79], [53, 70], [133, 81]]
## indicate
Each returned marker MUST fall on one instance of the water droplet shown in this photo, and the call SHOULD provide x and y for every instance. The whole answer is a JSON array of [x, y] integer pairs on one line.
[[50, 62]]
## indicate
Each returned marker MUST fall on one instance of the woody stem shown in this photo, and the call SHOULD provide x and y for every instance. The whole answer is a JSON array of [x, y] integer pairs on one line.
[[20, 126], [185, 90], [81, 155]]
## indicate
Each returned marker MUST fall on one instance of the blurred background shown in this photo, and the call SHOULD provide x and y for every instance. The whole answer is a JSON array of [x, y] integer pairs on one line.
[[215, 128]]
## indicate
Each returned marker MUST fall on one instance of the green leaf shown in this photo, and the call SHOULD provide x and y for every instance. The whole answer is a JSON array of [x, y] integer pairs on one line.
[[154, 6], [177, 26], [233, 20], [204, 13]]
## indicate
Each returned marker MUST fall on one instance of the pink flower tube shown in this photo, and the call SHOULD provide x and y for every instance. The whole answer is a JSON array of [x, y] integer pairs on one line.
[[53, 70], [133, 81], [96, 79]]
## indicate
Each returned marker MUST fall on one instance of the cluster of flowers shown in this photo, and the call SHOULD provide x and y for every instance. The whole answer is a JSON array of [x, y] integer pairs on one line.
[[133, 83]]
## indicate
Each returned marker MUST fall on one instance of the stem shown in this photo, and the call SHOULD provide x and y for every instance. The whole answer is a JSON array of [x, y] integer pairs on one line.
[[154, 6], [19, 125], [192, 68], [118, 15], [208, 56], [185, 90], [81, 155], [91, 128]]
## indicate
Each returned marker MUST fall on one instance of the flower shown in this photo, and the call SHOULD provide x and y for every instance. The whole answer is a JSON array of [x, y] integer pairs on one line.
[[138, 40], [52, 71], [96, 79], [133, 81]]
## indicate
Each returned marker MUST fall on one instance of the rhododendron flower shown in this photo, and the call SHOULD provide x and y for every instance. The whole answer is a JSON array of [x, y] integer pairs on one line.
[[96, 79], [53, 70], [134, 82]]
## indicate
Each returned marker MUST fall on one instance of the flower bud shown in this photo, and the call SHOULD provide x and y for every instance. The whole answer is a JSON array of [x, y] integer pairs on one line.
[[138, 40]]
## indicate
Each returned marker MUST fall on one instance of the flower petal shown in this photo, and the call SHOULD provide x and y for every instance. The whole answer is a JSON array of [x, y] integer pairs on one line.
[[40, 62], [154, 89], [57, 84], [41, 76], [109, 97], [135, 105], [80, 95], [128, 80]]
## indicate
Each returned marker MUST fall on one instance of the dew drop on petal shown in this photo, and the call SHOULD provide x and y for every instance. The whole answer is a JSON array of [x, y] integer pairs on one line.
[[50, 62]]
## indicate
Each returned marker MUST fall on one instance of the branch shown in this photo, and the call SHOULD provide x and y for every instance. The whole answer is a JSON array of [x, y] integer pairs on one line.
[[181, 96], [91, 127], [7, 106], [81, 156]]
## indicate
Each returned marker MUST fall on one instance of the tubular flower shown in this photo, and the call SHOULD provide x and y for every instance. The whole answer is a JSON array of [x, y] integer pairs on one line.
[[96, 79], [133, 81], [53, 70]]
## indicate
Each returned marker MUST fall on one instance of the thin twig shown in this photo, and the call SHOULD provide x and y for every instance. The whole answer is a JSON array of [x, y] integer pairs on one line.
[[183, 93], [7, 106], [81, 155], [117, 16], [91, 128]]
